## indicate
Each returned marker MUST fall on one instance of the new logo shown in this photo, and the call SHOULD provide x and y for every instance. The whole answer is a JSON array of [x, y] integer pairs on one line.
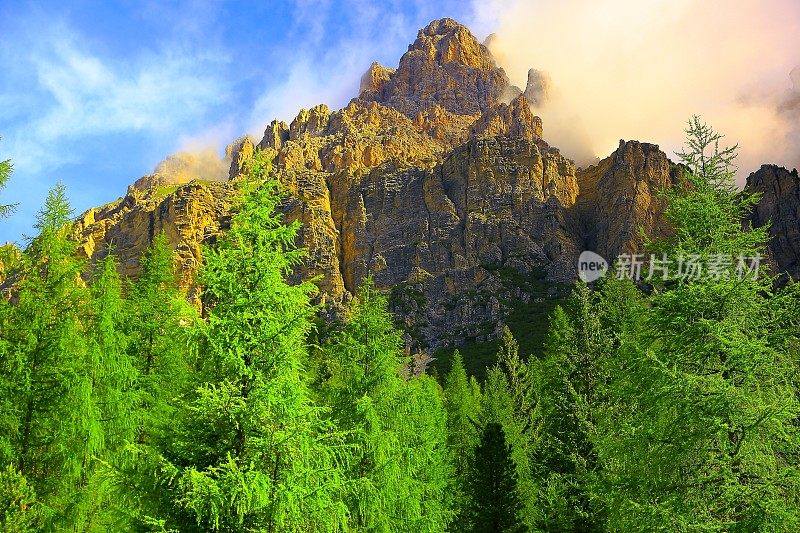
[[591, 266]]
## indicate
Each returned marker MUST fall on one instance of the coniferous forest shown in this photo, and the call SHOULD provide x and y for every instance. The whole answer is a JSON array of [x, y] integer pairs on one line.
[[667, 406]]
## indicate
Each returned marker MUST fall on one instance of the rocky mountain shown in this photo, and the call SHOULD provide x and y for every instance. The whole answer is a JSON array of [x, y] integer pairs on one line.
[[436, 180], [779, 206]]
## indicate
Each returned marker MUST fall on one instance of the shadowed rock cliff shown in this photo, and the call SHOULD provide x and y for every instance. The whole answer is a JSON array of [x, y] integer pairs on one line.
[[780, 207]]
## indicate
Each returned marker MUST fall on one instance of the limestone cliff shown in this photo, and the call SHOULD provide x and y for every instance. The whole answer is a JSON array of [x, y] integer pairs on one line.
[[437, 181], [619, 197], [780, 207], [445, 67], [190, 216]]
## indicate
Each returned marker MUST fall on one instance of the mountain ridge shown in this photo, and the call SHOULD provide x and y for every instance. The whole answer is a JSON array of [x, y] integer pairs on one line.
[[437, 181]]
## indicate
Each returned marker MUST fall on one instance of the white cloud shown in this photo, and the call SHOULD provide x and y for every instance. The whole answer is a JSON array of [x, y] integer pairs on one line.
[[302, 88], [637, 69], [216, 137], [78, 94]]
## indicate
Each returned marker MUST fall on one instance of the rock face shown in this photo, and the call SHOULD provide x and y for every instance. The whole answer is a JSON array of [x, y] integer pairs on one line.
[[780, 207], [190, 216], [437, 181], [445, 67], [619, 196]]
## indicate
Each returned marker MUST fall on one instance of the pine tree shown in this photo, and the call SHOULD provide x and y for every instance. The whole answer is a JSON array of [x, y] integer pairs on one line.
[[43, 353], [250, 451], [496, 504], [64, 373], [519, 378], [5, 172], [700, 427], [398, 468], [498, 406], [108, 378], [567, 389], [158, 325], [462, 402]]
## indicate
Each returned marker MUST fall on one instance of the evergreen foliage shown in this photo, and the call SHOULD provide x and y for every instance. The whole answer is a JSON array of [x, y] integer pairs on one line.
[[700, 428], [158, 324], [462, 400], [65, 373], [252, 451], [496, 502], [397, 462], [5, 172], [123, 408], [19, 510]]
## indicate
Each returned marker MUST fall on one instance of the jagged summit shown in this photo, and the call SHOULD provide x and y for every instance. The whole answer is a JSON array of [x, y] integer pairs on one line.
[[446, 89], [446, 41], [441, 27], [537, 90], [445, 67]]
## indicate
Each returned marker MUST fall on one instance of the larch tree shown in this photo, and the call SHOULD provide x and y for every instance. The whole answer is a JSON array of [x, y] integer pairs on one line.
[[5, 173], [43, 355], [398, 465], [569, 386], [518, 375], [462, 401], [20, 512], [522, 429], [158, 324], [107, 380], [63, 371], [700, 429], [251, 451]]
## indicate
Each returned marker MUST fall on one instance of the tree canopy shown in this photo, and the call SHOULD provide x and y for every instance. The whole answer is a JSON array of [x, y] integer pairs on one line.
[[667, 406]]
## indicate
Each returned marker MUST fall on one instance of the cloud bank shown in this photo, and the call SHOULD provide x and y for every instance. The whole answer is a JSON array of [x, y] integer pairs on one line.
[[638, 69], [183, 167]]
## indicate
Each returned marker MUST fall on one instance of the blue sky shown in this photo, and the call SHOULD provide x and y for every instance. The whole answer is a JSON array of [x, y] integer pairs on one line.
[[95, 94]]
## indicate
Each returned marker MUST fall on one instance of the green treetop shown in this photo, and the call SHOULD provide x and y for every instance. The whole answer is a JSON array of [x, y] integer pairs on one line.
[[699, 431], [66, 377], [250, 450], [398, 467], [462, 401], [497, 505], [158, 322], [5, 172]]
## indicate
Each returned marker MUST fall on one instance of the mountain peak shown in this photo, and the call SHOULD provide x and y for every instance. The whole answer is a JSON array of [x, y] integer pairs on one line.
[[446, 41], [779, 209], [442, 26], [446, 66]]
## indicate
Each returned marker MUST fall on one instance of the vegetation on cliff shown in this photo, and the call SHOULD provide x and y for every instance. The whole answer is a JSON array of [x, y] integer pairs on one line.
[[5, 173]]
